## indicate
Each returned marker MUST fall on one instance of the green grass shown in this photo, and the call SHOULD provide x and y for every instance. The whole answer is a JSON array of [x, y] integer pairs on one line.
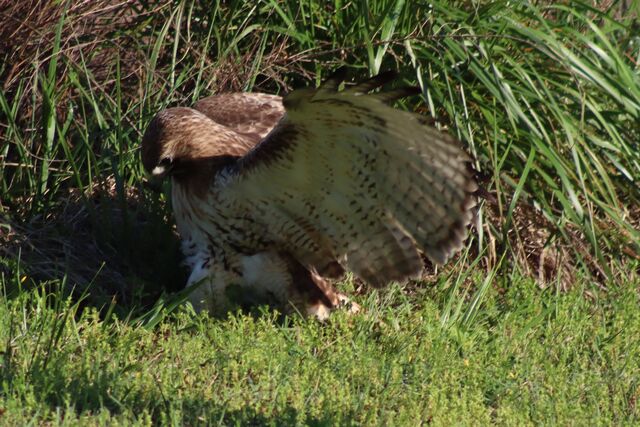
[[530, 357], [536, 322]]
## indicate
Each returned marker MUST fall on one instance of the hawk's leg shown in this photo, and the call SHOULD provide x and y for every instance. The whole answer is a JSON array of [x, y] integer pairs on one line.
[[317, 295]]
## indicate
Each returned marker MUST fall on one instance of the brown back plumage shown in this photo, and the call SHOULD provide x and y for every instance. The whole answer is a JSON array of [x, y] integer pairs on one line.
[[250, 114]]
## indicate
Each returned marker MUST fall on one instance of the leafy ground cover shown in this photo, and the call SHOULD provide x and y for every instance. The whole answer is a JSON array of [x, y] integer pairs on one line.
[[528, 357]]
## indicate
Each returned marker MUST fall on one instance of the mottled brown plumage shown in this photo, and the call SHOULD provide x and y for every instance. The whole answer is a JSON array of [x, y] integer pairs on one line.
[[252, 115], [343, 182]]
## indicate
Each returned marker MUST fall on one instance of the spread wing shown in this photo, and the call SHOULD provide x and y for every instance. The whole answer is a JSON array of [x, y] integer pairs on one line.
[[250, 114], [345, 177]]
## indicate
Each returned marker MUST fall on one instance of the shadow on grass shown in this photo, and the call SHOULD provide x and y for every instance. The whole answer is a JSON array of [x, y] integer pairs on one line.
[[109, 246], [217, 414], [84, 395]]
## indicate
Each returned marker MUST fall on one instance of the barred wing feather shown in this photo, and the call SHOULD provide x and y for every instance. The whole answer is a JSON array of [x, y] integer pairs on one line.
[[346, 177]]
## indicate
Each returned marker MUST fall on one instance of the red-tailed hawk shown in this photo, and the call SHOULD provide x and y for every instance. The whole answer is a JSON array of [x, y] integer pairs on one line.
[[276, 199]]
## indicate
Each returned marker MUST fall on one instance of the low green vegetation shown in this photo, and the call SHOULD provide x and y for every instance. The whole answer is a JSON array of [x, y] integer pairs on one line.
[[535, 323], [529, 357]]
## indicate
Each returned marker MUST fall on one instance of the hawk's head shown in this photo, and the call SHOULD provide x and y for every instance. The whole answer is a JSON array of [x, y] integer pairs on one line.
[[176, 138]]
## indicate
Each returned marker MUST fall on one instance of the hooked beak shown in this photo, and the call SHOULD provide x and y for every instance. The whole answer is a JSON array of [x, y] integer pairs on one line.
[[159, 172], [162, 169], [157, 175]]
